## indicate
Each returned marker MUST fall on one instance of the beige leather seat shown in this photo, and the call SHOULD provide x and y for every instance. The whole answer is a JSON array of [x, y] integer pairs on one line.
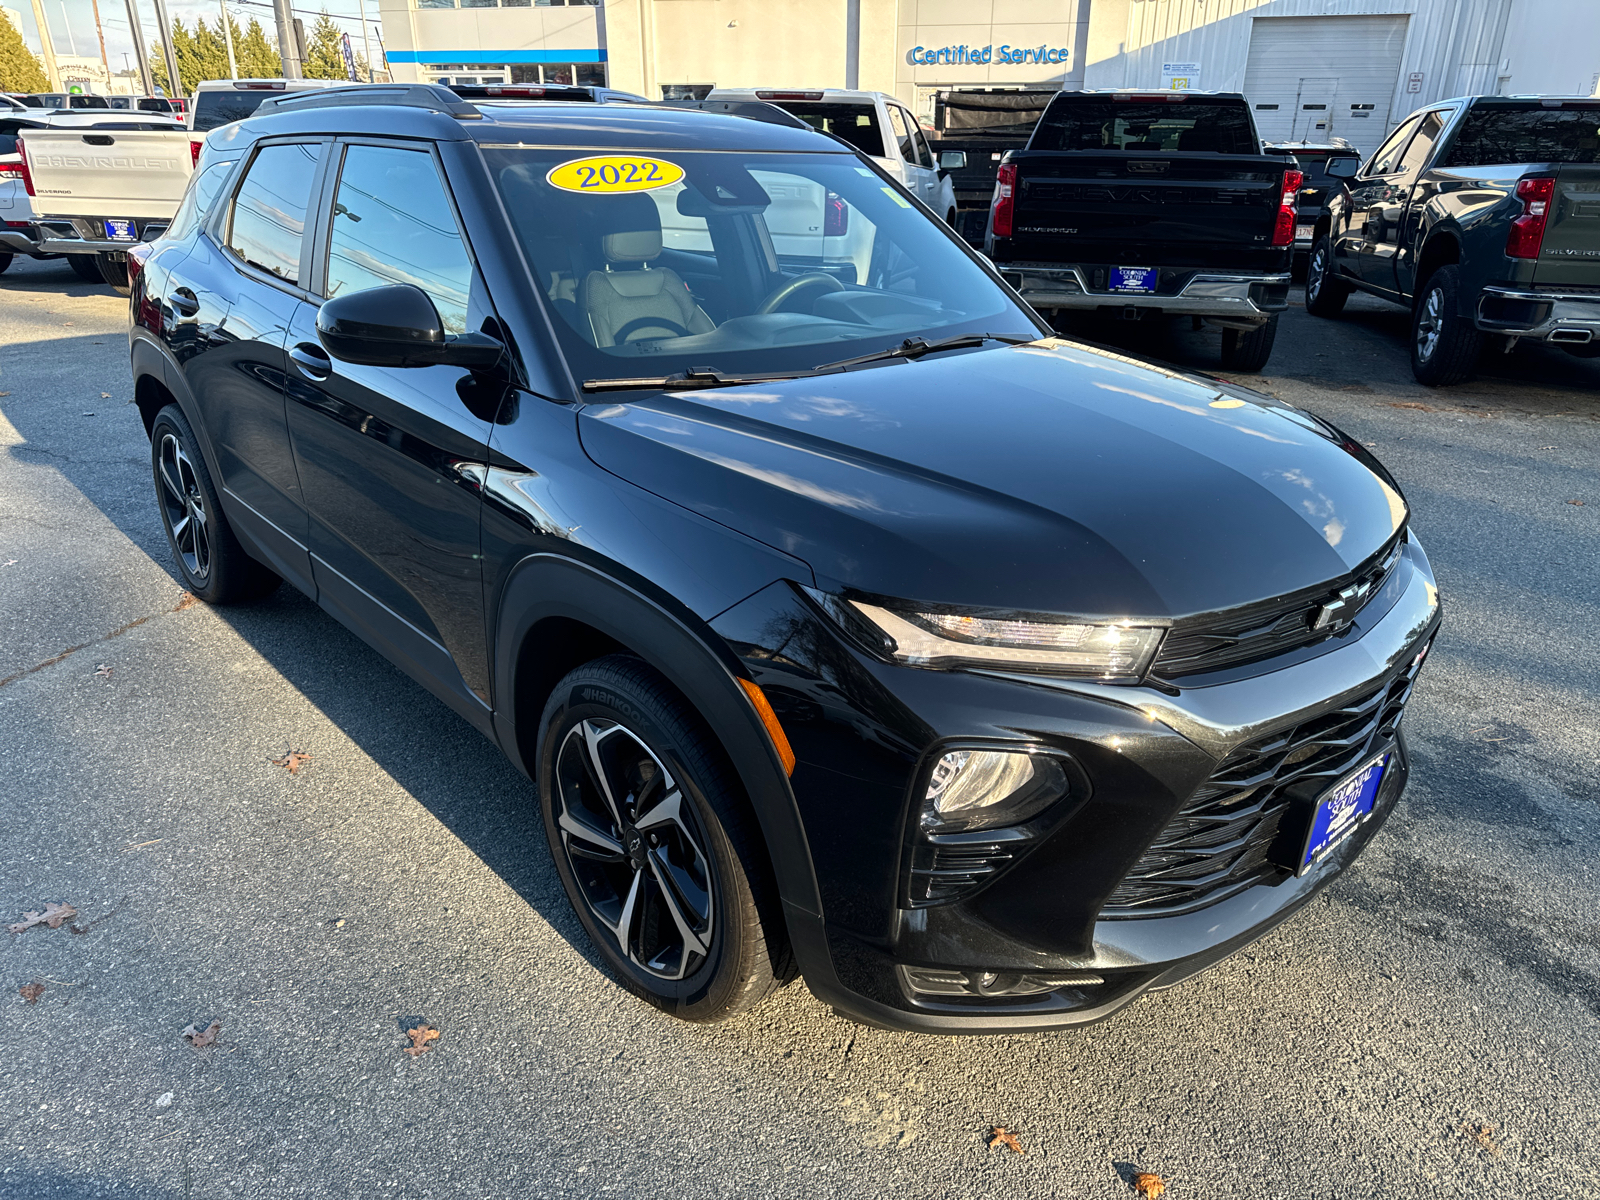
[[630, 299]]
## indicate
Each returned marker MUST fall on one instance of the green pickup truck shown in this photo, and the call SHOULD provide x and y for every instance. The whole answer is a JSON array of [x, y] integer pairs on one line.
[[1482, 215]]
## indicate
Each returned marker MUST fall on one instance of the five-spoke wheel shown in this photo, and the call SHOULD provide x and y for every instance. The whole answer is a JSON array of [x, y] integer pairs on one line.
[[184, 506]]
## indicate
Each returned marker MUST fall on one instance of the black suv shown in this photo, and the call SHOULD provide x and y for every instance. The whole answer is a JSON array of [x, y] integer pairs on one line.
[[849, 624]]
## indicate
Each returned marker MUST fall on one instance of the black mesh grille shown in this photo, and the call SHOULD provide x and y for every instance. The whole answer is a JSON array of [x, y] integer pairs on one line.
[[1259, 631], [1220, 841]]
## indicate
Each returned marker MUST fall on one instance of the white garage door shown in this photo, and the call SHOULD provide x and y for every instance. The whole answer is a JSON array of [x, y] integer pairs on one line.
[[1314, 78]]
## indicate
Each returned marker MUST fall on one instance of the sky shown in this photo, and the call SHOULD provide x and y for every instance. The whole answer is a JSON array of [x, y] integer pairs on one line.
[[78, 17]]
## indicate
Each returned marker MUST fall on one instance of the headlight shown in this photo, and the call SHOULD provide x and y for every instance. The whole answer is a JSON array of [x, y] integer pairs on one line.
[[1111, 652]]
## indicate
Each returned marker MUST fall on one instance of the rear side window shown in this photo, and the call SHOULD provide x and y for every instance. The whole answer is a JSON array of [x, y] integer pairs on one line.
[[854, 123], [1092, 123], [269, 211], [392, 223], [1504, 134], [897, 123], [197, 200], [212, 109]]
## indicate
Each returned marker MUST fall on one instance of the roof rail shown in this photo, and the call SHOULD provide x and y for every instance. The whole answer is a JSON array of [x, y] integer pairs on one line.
[[755, 110], [409, 95]]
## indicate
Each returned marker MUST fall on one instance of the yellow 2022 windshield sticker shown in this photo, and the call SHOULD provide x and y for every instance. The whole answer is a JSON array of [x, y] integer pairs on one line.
[[610, 173]]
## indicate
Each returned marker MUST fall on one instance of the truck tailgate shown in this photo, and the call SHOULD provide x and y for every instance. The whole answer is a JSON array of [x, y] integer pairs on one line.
[[1570, 255], [108, 173], [1178, 209]]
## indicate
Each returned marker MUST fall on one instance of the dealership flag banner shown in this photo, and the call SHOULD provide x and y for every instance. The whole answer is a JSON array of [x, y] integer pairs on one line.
[[349, 58]]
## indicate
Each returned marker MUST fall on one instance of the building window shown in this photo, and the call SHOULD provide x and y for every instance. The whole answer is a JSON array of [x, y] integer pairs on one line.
[[686, 91]]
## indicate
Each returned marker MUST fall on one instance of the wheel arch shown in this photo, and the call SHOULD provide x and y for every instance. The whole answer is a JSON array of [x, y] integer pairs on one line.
[[555, 613], [1441, 249]]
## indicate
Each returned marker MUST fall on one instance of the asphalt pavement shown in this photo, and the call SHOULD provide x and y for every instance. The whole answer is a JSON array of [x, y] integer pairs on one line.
[[1430, 1026]]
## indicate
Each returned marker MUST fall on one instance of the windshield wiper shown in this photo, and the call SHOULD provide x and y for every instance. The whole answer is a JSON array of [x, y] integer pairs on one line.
[[915, 347], [693, 378]]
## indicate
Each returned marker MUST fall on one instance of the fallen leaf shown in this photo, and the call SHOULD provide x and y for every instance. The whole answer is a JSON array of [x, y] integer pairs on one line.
[[292, 761], [188, 600], [999, 1135], [200, 1038], [5, 393], [31, 992], [1579, 503], [53, 915], [1484, 1136], [1414, 404], [104, 395], [420, 1037], [1149, 1185], [101, 671]]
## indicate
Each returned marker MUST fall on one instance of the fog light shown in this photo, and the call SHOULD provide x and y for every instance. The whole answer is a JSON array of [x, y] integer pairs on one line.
[[983, 789], [989, 985]]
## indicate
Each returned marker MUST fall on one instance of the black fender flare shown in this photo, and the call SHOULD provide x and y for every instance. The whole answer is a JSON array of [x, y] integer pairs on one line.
[[148, 358], [544, 586]]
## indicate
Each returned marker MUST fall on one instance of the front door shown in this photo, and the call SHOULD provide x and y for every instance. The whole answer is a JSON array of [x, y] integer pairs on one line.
[[390, 458], [1369, 192]]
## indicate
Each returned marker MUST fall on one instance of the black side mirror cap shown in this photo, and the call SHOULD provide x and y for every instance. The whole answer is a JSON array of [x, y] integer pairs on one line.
[[1342, 167], [398, 326]]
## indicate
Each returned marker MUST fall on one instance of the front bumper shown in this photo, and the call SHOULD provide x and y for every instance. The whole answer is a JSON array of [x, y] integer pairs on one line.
[[1566, 318], [1247, 298], [1146, 751]]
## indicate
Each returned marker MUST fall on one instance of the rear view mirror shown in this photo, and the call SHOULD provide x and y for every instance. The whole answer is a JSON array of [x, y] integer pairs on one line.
[[953, 160], [1342, 168], [397, 326]]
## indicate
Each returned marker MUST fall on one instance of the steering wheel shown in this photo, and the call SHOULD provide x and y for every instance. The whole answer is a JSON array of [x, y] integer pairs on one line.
[[673, 328], [785, 292]]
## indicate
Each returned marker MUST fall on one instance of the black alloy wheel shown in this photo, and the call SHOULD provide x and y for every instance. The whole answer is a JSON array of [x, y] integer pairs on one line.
[[655, 845], [214, 566], [1444, 344], [86, 267], [1325, 292]]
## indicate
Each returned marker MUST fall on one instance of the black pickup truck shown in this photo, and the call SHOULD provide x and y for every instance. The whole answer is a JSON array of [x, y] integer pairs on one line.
[[1148, 205], [980, 126], [1482, 214]]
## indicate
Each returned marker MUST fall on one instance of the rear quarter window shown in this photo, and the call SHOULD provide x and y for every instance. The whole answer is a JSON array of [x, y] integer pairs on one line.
[[1105, 124], [212, 109], [1499, 134]]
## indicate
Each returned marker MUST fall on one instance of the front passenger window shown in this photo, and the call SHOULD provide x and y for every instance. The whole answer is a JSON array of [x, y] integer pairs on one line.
[[1383, 161], [392, 223], [269, 213]]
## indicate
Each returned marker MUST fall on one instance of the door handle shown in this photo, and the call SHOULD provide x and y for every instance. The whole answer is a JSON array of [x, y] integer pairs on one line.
[[312, 360], [183, 303]]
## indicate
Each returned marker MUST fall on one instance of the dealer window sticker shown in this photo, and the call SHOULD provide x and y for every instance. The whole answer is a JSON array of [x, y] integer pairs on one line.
[[613, 174]]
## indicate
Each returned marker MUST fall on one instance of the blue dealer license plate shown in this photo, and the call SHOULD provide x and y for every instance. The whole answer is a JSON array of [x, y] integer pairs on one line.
[[1134, 279], [120, 231], [1341, 809]]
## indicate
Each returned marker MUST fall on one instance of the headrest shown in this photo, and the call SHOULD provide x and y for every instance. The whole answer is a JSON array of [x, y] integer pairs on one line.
[[632, 225]]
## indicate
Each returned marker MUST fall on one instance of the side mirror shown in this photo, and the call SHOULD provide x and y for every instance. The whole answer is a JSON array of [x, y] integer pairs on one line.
[[953, 160], [397, 326], [1342, 168]]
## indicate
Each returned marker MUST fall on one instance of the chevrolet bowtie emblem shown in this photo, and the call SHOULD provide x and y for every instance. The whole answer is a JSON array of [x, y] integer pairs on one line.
[[1337, 613]]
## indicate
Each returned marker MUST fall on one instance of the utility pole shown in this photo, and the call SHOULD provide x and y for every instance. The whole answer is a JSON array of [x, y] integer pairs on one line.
[[366, 40], [288, 44], [46, 46], [175, 83], [227, 32], [101, 34], [140, 50]]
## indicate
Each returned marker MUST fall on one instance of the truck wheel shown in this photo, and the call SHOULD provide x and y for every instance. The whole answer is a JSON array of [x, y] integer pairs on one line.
[[655, 844], [5, 261], [114, 273], [1444, 344], [1249, 352], [1325, 291], [87, 267]]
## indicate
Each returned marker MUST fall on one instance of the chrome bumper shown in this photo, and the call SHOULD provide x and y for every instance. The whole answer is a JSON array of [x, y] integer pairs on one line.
[[1565, 318], [1244, 298], [15, 241]]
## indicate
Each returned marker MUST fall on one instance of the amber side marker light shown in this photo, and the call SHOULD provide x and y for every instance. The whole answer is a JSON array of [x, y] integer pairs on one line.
[[770, 720]]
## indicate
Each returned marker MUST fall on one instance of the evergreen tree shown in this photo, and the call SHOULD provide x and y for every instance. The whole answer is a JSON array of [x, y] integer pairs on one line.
[[20, 68], [255, 55], [325, 54]]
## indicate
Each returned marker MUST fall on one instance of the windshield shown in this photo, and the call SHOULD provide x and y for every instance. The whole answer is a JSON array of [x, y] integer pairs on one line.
[[743, 262], [1499, 133], [1092, 123], [212, 109]]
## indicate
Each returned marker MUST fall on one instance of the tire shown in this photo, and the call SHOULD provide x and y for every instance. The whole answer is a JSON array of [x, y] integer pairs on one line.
[[5, 261], [696, 910], [1325, 291], [212, 563], [114, 273], [950, 218], [1444, 344], [1248, 352], [87, 268]]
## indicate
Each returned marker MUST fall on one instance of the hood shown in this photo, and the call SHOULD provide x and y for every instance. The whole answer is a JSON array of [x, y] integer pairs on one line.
[[1049, 477]]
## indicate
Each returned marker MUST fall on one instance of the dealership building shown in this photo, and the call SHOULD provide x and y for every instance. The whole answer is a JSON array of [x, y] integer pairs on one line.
[[1313, 69]]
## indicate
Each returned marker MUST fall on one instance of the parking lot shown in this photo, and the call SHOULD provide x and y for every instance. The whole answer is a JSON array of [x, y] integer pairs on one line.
[[1430, 1025]]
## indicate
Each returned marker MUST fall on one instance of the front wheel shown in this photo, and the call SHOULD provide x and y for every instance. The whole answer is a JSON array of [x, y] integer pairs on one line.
[[1444, 344], [1248, 352], [114, 272], [87, 268], [1325, 291], [655, 843]]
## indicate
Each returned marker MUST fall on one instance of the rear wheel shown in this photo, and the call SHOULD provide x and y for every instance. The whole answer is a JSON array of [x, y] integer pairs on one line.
[[214, 566], [5, 261], [1249, 352], [87, 268], [655, 843], [114, 272], [1325, 291], [1444, 344]]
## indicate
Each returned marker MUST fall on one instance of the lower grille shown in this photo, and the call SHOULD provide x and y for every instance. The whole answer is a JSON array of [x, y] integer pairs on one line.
[[1221, 841]]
